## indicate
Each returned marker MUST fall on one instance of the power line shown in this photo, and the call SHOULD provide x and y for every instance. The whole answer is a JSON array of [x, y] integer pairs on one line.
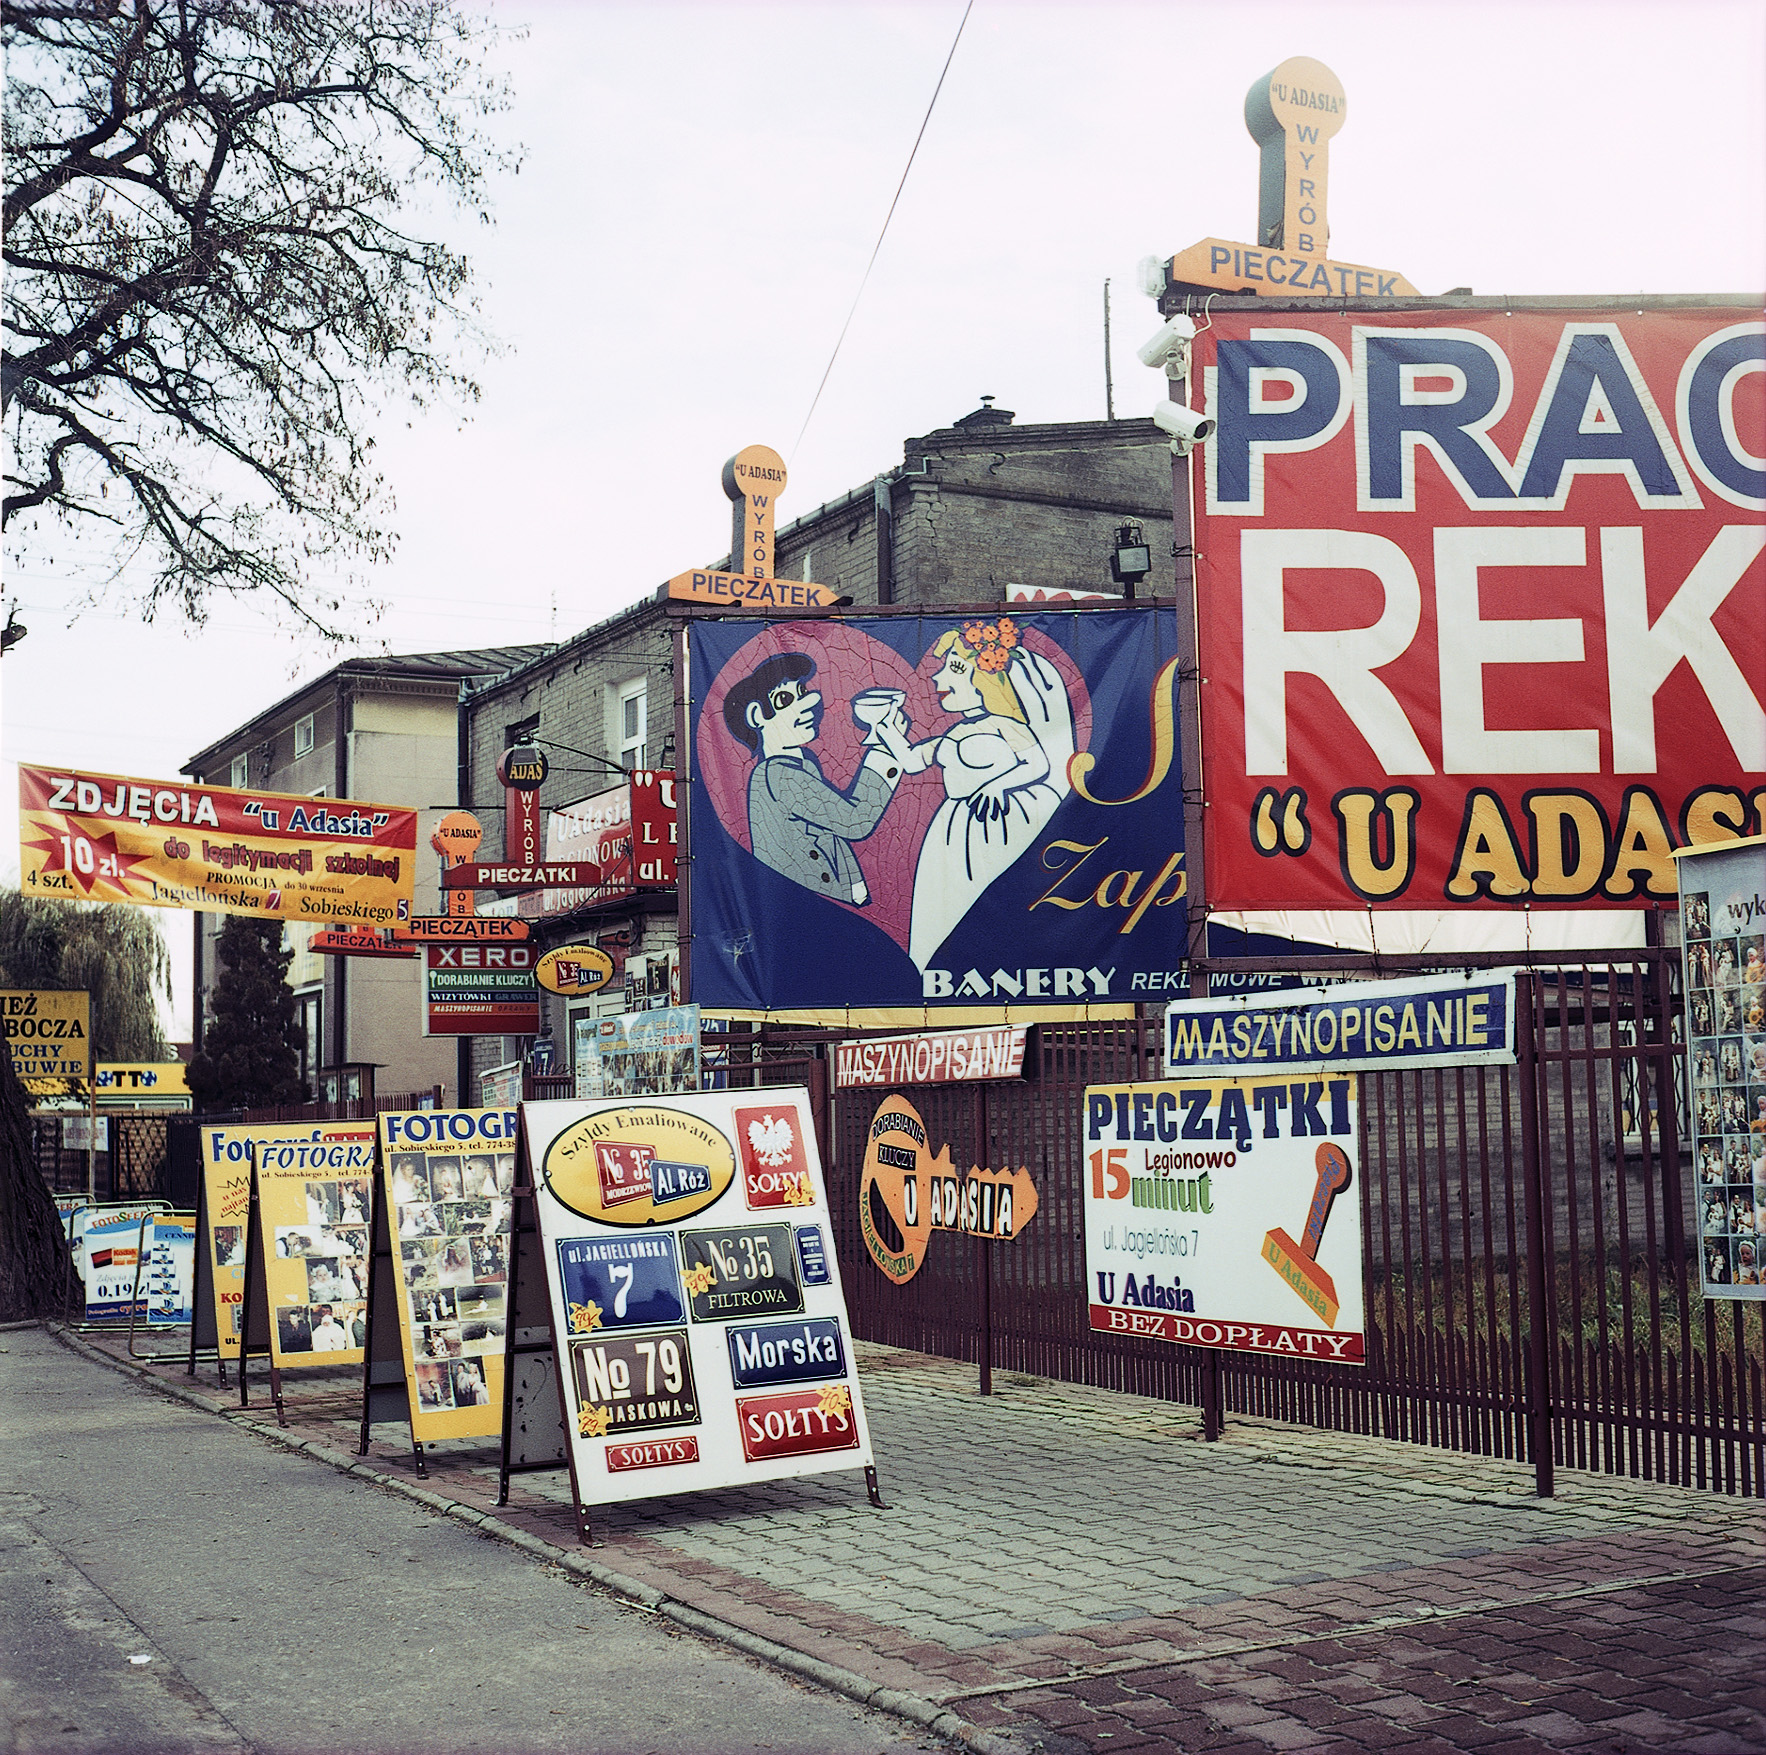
[[877, 247]]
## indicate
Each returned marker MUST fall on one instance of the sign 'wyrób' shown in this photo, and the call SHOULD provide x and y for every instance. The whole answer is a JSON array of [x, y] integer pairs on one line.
[[1483, 603]]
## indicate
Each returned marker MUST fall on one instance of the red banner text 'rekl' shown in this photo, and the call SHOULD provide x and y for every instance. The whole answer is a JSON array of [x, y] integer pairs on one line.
[[1482, 603]]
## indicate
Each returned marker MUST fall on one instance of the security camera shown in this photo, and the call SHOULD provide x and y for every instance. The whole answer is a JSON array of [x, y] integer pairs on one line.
[[1151, 275], [1185, 426], [1170, 348]]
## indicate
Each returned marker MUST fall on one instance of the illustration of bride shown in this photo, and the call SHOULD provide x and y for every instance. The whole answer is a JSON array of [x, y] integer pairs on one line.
[[1004, 766]]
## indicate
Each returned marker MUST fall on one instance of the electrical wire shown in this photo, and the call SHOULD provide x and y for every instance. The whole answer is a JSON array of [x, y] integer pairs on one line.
[[877, 247]]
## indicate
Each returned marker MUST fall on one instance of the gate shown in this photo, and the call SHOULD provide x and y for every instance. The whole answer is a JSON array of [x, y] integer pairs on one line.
[[131, 1167], [1531, 1281]]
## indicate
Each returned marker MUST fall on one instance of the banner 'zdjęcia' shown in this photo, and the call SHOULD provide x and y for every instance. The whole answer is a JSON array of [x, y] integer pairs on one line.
[[100, 838]]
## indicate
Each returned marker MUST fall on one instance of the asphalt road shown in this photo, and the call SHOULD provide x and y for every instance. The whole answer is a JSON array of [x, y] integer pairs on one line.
[[169, 1582]]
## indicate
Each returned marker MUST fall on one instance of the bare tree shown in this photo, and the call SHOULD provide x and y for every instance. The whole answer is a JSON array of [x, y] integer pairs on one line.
[[214, 274]]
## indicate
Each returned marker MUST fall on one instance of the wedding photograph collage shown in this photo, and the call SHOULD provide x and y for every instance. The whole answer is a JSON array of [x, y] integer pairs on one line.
[[1726, 1051], [330, 1314], [451, 1222]]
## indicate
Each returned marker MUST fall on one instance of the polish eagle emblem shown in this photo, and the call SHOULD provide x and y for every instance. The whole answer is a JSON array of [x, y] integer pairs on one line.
[[772, 1140]]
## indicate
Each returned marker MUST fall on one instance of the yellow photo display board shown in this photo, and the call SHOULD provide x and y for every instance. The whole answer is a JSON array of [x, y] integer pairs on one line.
[[447, 1180], [315, 1194], [226, 1186]]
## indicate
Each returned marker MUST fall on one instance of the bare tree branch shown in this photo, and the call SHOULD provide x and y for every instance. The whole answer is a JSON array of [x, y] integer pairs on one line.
[[214, 275]]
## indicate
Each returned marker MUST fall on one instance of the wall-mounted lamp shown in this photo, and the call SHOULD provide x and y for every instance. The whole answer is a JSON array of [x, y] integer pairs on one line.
[[1132, 560]]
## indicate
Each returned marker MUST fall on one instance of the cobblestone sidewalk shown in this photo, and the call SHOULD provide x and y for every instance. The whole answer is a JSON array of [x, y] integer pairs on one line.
[[1068, 1568]]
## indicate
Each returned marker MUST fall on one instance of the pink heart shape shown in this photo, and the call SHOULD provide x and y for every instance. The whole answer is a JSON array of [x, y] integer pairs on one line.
[[848, 661]]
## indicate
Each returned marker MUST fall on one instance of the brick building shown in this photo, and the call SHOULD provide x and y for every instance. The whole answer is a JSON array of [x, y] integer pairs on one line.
[[972, 509]]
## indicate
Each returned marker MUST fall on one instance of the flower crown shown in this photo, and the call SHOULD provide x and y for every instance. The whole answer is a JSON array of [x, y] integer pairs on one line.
[[991, 642]]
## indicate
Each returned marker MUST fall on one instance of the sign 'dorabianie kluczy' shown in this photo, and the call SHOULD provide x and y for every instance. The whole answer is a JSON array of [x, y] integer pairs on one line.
[[1483, 604], [936, 810], [701, 1327]]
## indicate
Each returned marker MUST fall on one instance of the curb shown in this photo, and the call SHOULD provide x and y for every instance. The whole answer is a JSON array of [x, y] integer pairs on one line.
[[915, 1709]]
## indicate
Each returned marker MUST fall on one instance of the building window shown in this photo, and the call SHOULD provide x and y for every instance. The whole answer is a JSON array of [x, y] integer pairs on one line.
[[633, 717], [241, 775], [309, 1014], [303, 736]]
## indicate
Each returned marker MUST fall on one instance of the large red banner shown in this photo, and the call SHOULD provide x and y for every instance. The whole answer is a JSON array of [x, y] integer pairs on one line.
[[1482, 603]]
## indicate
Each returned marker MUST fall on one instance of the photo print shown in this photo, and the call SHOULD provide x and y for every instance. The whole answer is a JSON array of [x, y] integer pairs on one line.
[[470, 1388], [490, 1258], [410, 1178], [454, 1264], [294, 1329], [479, 1301], [481, 1338], [444, 1178], [437, 1306], [295, 1241], [439, 1340], [419, 1262], [435, 1387]]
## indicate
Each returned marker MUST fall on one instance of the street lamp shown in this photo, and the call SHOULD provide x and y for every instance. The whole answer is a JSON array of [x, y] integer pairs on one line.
[[1132, 560]]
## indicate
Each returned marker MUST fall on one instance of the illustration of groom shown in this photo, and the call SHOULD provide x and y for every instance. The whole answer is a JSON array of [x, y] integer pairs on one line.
[[798, 823]]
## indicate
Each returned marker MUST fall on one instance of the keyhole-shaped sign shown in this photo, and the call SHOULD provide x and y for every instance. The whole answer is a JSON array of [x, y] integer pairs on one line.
[[456, 838], [1292, 114], [754, 478]]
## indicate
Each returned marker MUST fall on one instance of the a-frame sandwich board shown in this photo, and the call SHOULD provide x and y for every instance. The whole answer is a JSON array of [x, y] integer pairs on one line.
[[386, 1395], [205, 1336], [533, 1394], [255, 1323]]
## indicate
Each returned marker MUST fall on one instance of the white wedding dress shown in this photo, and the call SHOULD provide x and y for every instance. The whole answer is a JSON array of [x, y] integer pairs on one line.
[[1002, 782]]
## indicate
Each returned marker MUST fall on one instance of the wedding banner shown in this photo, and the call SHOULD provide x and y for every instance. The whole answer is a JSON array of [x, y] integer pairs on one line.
[[936, 810]]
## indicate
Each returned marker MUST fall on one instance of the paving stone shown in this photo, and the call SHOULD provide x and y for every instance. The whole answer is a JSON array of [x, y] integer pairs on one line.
[[1310, 1537]]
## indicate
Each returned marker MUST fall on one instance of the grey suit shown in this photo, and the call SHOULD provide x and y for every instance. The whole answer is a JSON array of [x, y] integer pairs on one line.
[[802, 827]]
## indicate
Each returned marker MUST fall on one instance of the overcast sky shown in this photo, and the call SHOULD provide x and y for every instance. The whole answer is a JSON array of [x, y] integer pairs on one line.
[[702, 186]]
